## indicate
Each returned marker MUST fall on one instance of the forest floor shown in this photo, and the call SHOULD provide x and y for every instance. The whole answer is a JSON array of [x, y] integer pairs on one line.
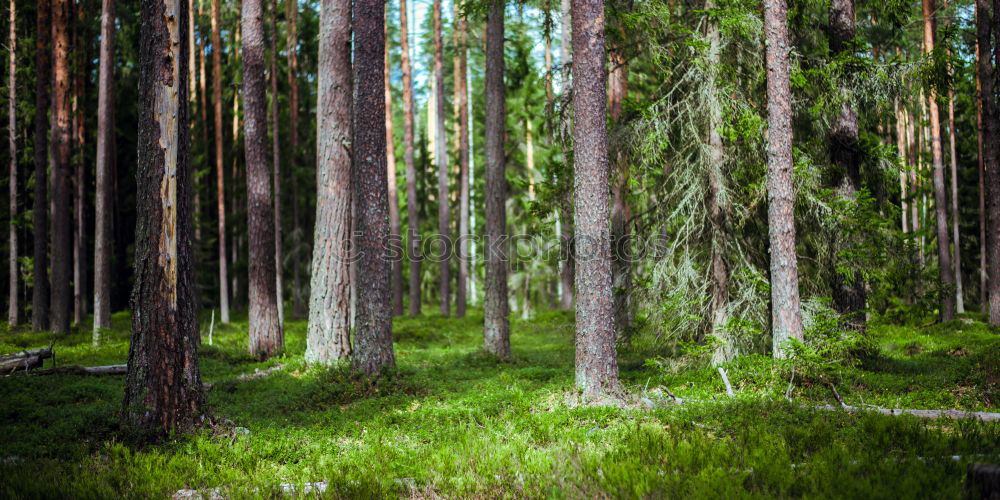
[[452, 422]]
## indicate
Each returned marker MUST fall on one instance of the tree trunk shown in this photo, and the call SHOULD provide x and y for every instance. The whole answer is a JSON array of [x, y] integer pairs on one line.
[[621, 280], [40, 210], [596, 358], [291, 16], [987, 18], [786, 316], [62, 229], [163, 390], [373, 337], [13, 310], [396, 276], [462, 120], [441, 158], [220, 176], [412, 209], [276, 151], [984, 300], [848, 291], [955, 215], [901, 153], [497, 322], [945, 271], [105, 150], [266, 337], [328, 338], [567, 253], [79, 176]]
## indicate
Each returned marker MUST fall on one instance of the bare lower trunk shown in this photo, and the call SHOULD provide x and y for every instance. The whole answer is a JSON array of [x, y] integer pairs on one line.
[[412, 209], [40, 210], [621, 278], [79, 176], [105, 149], [596, 358], [901, 153], [220, 178], [396, 276], [786, 316], [291, 16], [373, 335], [717, 209], [984, 300], [13, 310], [462, 120], [279, 255], [987, 18], [62, 229], [955, 216], [328, 339], [441, 157], [567, 274], [496, 312], [163, 390]]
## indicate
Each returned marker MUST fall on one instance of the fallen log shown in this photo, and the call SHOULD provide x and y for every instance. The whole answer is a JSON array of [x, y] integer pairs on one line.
[[289, 489], [84, 370], [28, 359], [955, 414]]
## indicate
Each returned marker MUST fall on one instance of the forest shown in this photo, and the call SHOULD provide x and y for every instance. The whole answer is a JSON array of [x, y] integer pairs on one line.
[[490, 248]]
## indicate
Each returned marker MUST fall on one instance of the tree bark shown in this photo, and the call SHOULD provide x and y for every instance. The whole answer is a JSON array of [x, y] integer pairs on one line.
[[13, 309], [220, 177], [441, 158], [987, 18], [984, 299], [291, 16], [78, 160], [845, 154], [462, 121], [40, 210], [328, 338], [497, 321], [266, 337], [901, 153], [373, 337], [786, 316], [567, 253], [104, 181], [596, 358], [412, 209], [279, 255], [955, 215], [62, 229], [946, 274], [163, 390], [621, 279], [396, 276]]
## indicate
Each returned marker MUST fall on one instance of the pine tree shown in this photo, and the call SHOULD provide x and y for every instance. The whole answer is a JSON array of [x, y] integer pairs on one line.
[[13, 310], [40, 210], [220, 178], [412, 209], [62, 229], [105, 149]]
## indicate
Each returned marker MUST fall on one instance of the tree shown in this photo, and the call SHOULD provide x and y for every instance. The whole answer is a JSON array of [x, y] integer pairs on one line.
[[104, 181], [62, 230], [567, 258], [276, 155], [40, 210], [220, 177], [945, 273], [441, 158], [373, 333], [786, 315], [596, 359], [328, 338], [412, 209], [13, 311], [266, 337], [163, 391], [987, 18], [291, 16], [497, 322], [848, 293], [80, 61], [621, 279], [396, 275], [462, 138]]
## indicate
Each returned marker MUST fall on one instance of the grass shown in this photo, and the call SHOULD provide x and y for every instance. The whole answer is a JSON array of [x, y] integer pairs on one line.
[[452, 422]]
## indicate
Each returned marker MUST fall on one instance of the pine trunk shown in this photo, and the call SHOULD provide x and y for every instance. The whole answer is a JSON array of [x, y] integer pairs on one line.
[[79, 166], [946, 274], [987, 18], [104, 181], [62, 199], [462, 120], [441, 158], [717, 210], [292, 14], [596, 359], [373, 337], [786, 316], [220, 176], [328, 338], [396, 276], [163, 391], [984, 299], [567, 253], [412, 209], [13, 310], [497, 322], [621, 279], [955, 215], [40, 210], [276, 152]]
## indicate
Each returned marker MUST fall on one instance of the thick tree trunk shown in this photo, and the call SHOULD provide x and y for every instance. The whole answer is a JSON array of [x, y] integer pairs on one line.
[[462, 121], [441, 158], [62, 229], [163, 390], [328, 338], [291, 17], [596, 358], [497, 323], [396, 276], [786, 316], [945, 271], [105, 150], [279, 255], [373, 334], [987, 18], [40, 210], [845, 155], [13, 310], [567, 254], [220, 176], [412, 209], [80, 62], [266, 337]]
